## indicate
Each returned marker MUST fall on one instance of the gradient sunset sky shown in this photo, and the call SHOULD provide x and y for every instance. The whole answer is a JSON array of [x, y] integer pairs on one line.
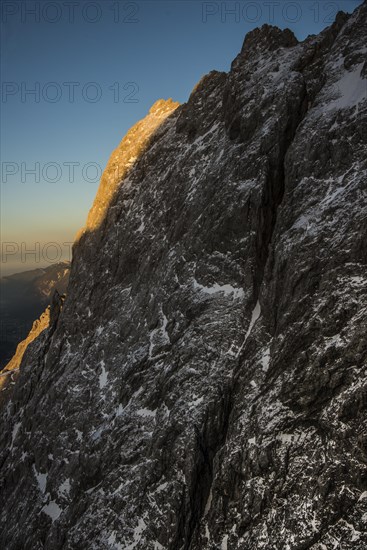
[[144, 50]]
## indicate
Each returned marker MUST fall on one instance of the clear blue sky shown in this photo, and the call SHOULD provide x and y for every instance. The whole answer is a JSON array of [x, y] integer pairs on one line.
[[162, 48]]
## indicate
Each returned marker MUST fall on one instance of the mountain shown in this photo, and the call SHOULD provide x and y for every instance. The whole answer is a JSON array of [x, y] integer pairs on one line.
[[203, 386], [23, 298]]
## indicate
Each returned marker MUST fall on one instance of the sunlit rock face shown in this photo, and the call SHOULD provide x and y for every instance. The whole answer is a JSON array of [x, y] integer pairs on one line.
[[124, 157], [47, 320], [24, 297], [204, 384], [6, 375]]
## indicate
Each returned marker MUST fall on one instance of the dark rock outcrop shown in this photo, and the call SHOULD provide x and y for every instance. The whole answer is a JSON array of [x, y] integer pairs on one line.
[[204, 386]]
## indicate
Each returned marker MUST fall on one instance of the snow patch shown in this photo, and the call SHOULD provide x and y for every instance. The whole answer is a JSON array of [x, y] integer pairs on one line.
[[246, 184], [159, 336], [227, 290], [352, 89], [111, 541], [120, 410], [146, 413], [64, 488], [14, 433], [141, 227], [41, 480], [138, 531], [161, 487], [256, 312], [359, 281], [103, 376], [265, 360], [197, 401], [208, 502], [333, 341], [285, 438], [52, 509], [314, 524], [224, 545], [355, 535]]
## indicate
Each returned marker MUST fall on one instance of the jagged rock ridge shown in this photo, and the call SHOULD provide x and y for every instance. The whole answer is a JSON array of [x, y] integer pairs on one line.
[[47, 320], [23, 298], [204, 385]]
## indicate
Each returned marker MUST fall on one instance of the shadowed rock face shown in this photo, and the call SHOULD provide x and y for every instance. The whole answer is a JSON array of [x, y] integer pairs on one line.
[[204, 384]]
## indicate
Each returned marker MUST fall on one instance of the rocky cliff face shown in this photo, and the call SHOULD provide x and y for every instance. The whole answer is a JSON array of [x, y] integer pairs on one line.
[[24, 297], [47, 320], [204, 385]]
